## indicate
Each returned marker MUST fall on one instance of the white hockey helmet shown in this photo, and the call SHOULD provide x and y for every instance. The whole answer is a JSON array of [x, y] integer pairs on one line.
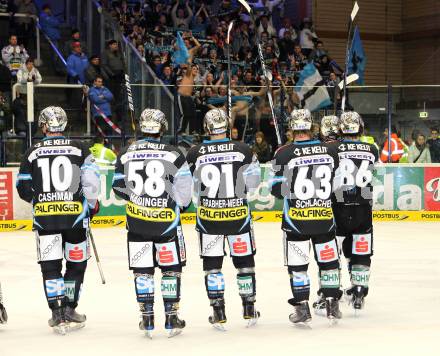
[[351, 123], [153, 121], [329, 126], [216, 122], [300, 120], [54, 118]]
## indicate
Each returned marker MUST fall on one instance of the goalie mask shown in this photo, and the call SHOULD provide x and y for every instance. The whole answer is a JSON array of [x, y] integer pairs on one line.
[[300, 120], [216, 122], [330, 126], [54, 118], [152, 121], [351, 123]]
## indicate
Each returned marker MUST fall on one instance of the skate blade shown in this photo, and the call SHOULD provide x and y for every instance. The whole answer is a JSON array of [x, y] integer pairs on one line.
[[320, 311], [253, 321], [304, 325], [149, 334], [72, 326], [219, 326], [333, 321], [174, 332], [60, 329]]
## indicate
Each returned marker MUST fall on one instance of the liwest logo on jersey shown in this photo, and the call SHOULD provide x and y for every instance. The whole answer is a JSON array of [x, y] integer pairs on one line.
[[58, 208], [316, 213], [226, 214], [54, 287], [150, 214]]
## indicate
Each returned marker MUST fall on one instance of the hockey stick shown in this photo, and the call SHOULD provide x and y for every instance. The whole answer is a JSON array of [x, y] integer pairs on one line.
[[95, 251], [228, 41], [347, 52], [266, 74], [128, 88]]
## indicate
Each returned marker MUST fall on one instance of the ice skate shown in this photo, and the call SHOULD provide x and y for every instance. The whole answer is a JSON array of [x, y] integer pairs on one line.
[[3, 314], [58, 322], [355, 297], [332, 309], [74, 321], [147, 320], [319, 305], [218, 318], [250, 314], [173, 324], [301, 316]]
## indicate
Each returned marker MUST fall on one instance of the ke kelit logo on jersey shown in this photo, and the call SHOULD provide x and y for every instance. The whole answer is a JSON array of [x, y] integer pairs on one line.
[[215, 282], [54, 287], [167, 254], [169, 287], [361, 244], [245, 285], [6, 196], [326, 252], [58, 208], [69, 290], [144, 285], [311, 213], [226, 214], [150, 214]]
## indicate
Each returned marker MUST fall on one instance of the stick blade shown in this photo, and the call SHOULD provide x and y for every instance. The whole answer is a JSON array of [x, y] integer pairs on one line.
[[354, 11], [246, 5], [229, 32], [350, 79]]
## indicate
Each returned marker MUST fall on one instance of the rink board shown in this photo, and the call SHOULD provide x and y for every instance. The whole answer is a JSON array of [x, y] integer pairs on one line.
[[401, 192], [259, 216]]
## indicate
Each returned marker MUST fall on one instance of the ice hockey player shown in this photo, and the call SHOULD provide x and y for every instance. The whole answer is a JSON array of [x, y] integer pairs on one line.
[[329, 129], [302, 175], [155, 180], [59, 177], [224, 172], [3, 314], [353, 205]]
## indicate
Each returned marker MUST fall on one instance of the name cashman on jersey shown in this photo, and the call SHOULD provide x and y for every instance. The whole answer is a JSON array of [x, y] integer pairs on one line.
[[58, 208], [55, 196]]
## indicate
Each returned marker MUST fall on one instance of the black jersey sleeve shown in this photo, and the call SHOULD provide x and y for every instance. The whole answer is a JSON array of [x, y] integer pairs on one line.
[[24, 179], [119, 183], [277, 180]]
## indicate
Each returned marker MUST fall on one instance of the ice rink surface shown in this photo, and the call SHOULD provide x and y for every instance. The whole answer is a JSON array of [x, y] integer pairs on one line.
[[402, 315]]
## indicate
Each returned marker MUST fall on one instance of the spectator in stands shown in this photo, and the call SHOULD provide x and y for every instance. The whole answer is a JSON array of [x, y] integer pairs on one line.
[[286, 46], [25, 25], [5, 81], [287, 26], [319, 51], [261, 148], [112, 62], [50, 24], [19, 109], [307, 37], [419, 151], [77, 64], [323, 66], [266, 26], [6, 7], [180, 19], [234, 134], [434, 145], [300, 58], [5, 113], [28, 73], [94, 69], [14, 55], [100, 99], [75, 37], [167, 75]]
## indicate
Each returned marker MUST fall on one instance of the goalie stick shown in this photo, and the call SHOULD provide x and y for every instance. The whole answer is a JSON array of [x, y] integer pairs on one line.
[[266, 74]]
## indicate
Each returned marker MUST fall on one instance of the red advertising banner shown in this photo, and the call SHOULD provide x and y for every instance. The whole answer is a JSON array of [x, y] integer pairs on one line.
[[432, 188], [6, 196]]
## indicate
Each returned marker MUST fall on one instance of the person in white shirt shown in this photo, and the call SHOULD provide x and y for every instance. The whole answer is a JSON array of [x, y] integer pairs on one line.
[[306, 37], [28, 73], [13, 55], [287, 26]]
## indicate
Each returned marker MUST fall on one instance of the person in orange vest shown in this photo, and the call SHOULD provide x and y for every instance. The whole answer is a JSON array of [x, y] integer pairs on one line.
[[397, 147]]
